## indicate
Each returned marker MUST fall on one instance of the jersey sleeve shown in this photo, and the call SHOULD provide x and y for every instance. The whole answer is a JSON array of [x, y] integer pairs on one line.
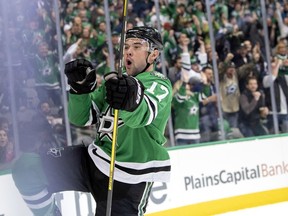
[[186, 67], [181, 93], [83, 110]]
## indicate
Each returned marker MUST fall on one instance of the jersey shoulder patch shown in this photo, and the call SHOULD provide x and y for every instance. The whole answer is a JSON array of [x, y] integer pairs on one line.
[[160, 75]]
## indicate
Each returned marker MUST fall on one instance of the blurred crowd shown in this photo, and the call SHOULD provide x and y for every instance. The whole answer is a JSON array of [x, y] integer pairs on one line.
[[242, 66]]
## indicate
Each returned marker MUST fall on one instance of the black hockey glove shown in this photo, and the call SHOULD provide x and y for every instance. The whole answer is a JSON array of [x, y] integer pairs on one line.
[[125, 93], [81, 76]]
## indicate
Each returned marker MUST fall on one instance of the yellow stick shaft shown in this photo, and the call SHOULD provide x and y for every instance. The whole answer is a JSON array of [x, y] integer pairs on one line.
[[116, 116], [113, 150]]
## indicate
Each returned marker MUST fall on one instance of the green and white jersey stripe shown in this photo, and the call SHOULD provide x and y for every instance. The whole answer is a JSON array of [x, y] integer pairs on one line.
[[144, 201], [28, 171]]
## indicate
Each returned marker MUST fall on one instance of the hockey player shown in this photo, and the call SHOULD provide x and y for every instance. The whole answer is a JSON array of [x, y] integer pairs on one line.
[[143, 98], [29, 172]]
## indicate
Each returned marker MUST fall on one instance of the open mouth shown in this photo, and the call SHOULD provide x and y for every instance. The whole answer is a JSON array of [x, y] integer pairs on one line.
[[128, 63]]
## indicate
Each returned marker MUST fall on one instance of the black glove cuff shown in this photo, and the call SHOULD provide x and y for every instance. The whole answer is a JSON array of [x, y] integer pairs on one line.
[[76, 88], [139, 94]]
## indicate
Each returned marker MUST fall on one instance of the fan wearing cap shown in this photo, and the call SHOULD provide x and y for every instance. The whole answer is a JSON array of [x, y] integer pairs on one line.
[[143, 98]]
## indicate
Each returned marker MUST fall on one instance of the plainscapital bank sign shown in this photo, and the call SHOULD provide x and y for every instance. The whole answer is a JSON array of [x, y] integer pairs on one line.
[[235, 177]]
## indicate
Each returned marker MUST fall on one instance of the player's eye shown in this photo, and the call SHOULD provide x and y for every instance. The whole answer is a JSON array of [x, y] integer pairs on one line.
[[136, 46]]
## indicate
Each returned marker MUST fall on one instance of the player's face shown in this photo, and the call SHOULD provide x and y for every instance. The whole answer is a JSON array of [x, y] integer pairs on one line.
[[135, 54]]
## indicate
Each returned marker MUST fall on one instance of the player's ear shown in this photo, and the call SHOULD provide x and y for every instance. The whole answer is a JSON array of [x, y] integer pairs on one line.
[[154, 54]]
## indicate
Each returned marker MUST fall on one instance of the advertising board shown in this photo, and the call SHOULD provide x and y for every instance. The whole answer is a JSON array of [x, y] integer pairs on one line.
[[205, 180]]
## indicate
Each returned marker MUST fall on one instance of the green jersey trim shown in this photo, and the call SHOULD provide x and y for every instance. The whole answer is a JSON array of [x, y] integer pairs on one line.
[[131, 172], [187, 134]]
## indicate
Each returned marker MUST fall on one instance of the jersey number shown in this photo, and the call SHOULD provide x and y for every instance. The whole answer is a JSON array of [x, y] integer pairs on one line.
[[159, 96]]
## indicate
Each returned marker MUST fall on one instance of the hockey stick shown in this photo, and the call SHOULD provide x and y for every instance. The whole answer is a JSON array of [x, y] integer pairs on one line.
[[115, 125]]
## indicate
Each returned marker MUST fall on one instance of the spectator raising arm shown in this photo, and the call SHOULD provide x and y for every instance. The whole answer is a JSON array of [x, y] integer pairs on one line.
[[186, 64]]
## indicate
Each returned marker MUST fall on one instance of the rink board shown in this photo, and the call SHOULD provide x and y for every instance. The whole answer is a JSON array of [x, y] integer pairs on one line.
[[205, 180], [225, 177]]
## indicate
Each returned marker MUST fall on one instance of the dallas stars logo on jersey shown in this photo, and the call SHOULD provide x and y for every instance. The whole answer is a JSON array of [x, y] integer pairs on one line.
[[106, 124], [194, 110]]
